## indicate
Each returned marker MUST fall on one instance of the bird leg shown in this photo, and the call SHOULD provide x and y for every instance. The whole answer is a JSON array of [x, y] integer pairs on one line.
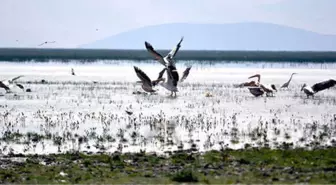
[[171, 93]]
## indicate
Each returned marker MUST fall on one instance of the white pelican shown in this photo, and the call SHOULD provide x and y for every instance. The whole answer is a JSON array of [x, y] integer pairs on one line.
[[8, 84], [167, 60], [170, 67], [251, 83], [170, 84], [310, 91], [285, 85], [147, 83], [258, 89]]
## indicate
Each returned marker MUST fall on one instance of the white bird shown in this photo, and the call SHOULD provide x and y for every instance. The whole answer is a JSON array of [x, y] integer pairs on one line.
[[167, 60], [259, 89], [147, 83], [170, 67], [310, 91], [170, 84], [8, 84], [285, 85]]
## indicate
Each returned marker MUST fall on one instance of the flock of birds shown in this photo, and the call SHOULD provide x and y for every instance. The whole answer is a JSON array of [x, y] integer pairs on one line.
[[255, 88], [169, 67], [258, 89], [171, 81]]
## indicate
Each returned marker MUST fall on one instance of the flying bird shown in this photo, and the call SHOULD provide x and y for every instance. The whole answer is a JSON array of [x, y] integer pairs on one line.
[[147, 83], [170, 67], [164, 60], [310, 91], [47, 42], [285, 85]]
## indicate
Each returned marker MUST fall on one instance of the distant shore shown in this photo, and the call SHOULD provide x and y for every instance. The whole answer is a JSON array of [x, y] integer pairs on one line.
[[45, 54]]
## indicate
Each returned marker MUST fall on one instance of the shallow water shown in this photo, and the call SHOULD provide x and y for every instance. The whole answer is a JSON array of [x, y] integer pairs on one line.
[[73, 107]]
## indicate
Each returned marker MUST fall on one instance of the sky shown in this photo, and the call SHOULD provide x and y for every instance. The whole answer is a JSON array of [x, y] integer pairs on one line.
[[76, 22]]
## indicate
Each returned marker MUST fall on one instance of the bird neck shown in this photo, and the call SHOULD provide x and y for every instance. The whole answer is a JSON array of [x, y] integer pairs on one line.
[[290, 78]]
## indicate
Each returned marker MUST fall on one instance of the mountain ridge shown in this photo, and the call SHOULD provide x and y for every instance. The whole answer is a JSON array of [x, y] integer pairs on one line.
[[230, 36]]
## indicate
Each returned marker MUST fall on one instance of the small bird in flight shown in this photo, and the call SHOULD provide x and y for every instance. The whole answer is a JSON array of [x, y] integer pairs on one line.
[[47, 42]]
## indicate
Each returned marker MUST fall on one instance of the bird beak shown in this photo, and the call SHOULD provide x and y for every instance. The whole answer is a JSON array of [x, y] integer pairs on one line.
[[304, 85]]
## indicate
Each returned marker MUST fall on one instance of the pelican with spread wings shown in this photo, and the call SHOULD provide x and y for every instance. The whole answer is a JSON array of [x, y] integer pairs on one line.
[[310, 91], [147, 83], [169, 63]]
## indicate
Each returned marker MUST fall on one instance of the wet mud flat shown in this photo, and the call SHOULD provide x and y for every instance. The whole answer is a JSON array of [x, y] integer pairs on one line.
[[251, 165]]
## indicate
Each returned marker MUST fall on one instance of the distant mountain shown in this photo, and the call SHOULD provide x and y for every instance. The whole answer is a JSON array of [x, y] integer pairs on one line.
[[234, 36]]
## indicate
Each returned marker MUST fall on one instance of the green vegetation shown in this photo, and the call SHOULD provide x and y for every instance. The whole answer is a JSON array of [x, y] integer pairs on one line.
[[226, 166], [87, 55]]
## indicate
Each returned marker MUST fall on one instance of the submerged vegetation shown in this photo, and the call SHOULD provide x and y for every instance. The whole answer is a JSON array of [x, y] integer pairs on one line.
[[253, 165]]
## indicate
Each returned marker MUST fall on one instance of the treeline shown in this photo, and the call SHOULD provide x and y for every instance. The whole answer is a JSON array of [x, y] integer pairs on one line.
[[27, 54]]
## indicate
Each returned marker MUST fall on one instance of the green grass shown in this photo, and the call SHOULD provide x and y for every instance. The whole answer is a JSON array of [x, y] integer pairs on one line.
[[213, 167]]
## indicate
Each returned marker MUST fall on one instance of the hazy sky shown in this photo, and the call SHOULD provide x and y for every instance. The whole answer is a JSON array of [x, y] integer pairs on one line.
[[74, 22]]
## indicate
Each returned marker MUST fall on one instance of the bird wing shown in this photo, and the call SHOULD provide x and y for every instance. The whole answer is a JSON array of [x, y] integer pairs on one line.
[[142, 76], [20, 86], [174, 51], [155, 82], [323, 85], [185, 73], [256, 91], [13, 79], [257, 75], [156, 55], [41, 44], [161, 73], [2, 85]]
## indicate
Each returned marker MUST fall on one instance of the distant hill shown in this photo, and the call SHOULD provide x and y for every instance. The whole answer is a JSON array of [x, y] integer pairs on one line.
[[234, 36]]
